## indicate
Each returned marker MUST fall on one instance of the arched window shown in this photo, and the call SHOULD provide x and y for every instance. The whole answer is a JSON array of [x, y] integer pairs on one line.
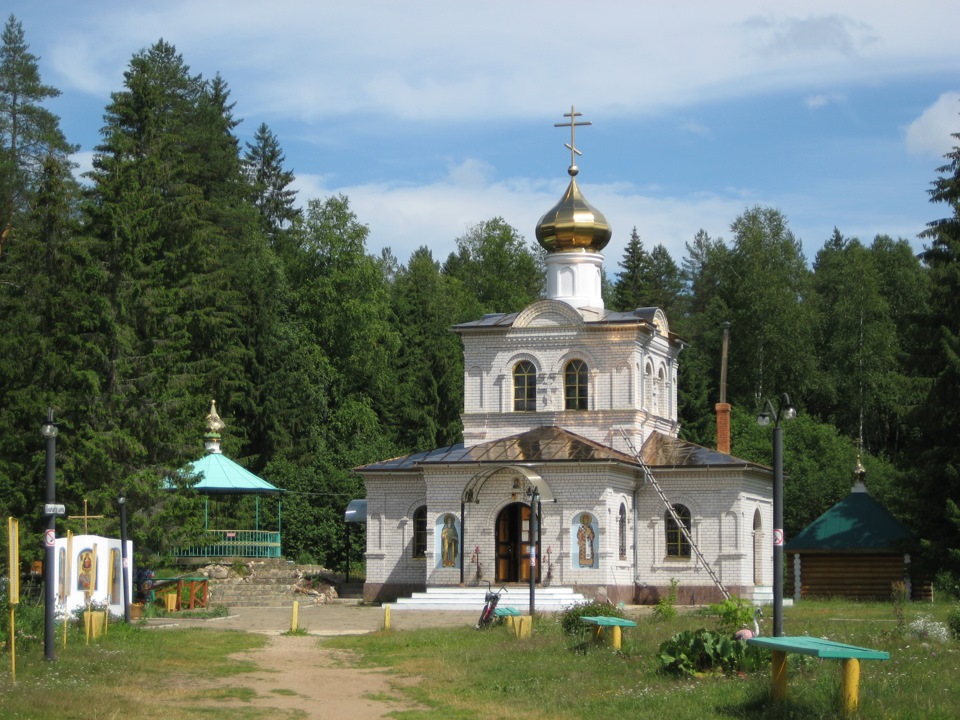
[[524, 387], [575, 385], [420, 532], [648, 387], [677, 544], [622, 527], [660, 391]]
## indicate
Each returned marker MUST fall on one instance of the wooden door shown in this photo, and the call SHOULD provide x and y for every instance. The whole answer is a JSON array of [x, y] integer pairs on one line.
[[513, 548]]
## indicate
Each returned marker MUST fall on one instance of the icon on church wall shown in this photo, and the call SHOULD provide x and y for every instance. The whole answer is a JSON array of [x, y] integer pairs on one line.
[[116, 585], [85, 570], [585, 534], [448, 534], [62, 574]]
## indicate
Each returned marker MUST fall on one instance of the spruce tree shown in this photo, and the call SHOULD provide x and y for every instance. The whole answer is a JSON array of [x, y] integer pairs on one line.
[[632, 289], [270, 181], [28, 131], [935, 450]]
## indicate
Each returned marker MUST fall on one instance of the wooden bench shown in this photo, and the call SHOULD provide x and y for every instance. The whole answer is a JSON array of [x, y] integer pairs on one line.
[[602, 621], [818, 647]]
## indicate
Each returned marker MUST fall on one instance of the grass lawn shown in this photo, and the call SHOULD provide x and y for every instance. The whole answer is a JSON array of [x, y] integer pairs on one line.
[[173, 674], [131, 673], [469, 674]]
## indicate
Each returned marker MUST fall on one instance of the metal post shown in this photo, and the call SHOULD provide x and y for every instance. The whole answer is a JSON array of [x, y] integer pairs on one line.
[[777, 530], [124, 560], [49, 431], [534, 534], [463, 542]]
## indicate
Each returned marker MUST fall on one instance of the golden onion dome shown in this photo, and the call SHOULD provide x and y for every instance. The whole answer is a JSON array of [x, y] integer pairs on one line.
[[573, 224]]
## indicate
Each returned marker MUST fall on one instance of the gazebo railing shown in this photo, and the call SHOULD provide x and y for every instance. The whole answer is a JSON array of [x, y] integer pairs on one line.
[[235, 543]]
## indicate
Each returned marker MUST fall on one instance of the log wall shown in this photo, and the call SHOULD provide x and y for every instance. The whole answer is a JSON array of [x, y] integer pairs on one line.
[[849, 575]]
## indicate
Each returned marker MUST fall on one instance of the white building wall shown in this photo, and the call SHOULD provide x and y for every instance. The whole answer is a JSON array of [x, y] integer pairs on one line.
[[549, 337]]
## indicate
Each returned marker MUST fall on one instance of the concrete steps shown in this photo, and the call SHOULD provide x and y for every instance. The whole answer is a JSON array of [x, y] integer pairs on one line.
[[549, 599], [264, 583]]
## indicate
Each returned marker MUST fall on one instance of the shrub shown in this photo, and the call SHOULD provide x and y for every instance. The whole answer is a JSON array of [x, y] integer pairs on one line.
[[700, 651], [732, 615], [953, 622], [570, 619], [666, 608]]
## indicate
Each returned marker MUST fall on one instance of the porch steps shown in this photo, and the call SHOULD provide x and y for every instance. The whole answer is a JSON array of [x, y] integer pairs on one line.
[[546, 599]]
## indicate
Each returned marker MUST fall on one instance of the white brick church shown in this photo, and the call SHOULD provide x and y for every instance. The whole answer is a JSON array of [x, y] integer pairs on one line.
[[557, 396]]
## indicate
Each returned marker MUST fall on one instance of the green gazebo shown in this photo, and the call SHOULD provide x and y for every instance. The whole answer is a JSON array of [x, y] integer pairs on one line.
[[220, 478]]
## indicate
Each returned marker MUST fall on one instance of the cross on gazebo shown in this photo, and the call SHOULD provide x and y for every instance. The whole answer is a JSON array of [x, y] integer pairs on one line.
[[85, 517]]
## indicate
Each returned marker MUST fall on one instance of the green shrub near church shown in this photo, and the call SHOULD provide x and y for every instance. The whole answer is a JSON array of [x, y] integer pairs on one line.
[[570, 619]]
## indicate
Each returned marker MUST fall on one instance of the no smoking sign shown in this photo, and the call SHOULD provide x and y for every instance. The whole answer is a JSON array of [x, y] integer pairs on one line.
[[50, 538], [778, 537]]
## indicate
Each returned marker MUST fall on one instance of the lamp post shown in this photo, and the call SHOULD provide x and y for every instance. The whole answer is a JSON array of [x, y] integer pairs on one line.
[[124, 560], [534, 532], [783, 411], [49, 432]]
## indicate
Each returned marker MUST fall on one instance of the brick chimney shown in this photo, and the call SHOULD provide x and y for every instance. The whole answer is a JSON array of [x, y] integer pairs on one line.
[[723, 407], [723, 427]]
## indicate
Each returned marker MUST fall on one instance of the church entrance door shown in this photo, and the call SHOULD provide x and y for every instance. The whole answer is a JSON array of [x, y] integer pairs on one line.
[[513, 544]]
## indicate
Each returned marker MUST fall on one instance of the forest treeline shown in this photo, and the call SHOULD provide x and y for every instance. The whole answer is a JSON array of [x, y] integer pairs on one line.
[[185, 268]]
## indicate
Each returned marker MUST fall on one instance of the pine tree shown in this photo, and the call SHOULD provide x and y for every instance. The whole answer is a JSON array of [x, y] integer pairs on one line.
[[936, 476], [28, 131], [178, 243], [632, 288], [270, 181], [426, 304]]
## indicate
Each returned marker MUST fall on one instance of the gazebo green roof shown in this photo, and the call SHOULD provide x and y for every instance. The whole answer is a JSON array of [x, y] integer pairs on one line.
[[856, 523], [219, 475]]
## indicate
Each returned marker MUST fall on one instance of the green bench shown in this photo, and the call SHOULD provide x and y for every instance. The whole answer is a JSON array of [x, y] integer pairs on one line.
[[602, 621], [506, 612], [818, 647]]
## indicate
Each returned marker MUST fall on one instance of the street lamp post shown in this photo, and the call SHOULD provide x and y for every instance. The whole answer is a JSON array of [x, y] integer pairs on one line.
[[49, 432], [124, 560], [783, 411], [534, 532]]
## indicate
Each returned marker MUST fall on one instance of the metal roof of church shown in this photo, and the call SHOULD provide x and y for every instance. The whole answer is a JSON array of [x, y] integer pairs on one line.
[[554, 444], [219, 475], [606, 316], [858, 522]]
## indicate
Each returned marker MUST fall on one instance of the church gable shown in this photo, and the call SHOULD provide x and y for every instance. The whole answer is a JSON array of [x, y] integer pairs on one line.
[[548, 313]]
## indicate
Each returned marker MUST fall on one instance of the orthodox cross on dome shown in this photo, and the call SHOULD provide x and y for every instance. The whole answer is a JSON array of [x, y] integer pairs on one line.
[[572, 145]]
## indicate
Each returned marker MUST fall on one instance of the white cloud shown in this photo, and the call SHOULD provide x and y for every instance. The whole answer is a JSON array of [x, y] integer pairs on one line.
[[815, 102], [814, 34], [932, 132]]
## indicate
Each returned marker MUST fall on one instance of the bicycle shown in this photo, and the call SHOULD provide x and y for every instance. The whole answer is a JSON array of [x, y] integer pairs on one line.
[[491, 600]]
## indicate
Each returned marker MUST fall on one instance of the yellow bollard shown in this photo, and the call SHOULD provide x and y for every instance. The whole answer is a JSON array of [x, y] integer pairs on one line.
[[779, 675], [386, 617], [850, 687], [523, 626], [617, 636], [296, 612]]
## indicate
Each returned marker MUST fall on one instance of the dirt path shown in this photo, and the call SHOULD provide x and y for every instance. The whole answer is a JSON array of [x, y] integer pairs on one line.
[[297, 676], [297, 679]]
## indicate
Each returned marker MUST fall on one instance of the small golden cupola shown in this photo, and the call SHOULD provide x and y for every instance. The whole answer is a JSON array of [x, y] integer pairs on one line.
[[574, 232]]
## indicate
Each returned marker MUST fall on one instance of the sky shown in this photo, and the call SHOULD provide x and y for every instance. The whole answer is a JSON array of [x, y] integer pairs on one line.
[[432, 117]]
